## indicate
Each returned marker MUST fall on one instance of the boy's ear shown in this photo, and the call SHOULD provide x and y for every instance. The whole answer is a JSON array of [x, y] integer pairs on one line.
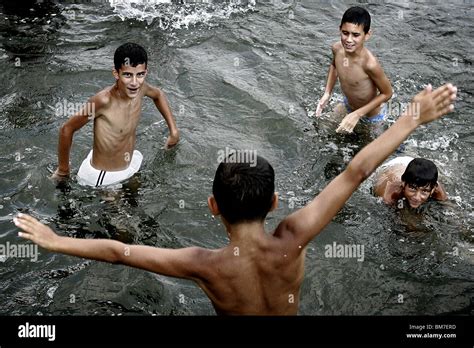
[[274, 201], [212, 204], [368, 35], [404, 184], [115, 73]]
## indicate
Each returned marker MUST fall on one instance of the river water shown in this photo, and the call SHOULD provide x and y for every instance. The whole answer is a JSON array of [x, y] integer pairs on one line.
[[242, 75]]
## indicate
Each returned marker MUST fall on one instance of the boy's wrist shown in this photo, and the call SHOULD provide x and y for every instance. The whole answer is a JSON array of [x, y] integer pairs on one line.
[[61, 171], [410, 120], [55, 245], [356, 115]]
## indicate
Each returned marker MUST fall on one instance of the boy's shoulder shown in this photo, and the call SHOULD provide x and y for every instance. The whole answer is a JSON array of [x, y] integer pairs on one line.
[[370, 60], [103, 97], [336, 46]]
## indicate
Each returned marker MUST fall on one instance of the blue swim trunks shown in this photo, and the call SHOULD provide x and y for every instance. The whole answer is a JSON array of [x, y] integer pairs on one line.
[[374, 119]]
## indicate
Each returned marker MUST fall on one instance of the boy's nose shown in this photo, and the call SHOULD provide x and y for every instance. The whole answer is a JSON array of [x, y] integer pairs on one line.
[[418, 195]]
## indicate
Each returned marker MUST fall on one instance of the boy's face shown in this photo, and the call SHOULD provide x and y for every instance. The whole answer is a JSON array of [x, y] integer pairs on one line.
[[416, 195], [130, 79], [353, 37]]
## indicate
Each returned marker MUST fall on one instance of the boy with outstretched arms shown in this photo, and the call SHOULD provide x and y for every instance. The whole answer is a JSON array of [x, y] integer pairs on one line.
[[256, 273], [411, 180], [363, 81], [116, 111]]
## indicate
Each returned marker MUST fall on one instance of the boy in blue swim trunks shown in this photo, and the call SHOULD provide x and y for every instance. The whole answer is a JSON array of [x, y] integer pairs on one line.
[[362, 79], [116, 112]]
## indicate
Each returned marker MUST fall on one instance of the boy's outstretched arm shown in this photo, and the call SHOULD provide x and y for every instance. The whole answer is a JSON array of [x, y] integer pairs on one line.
[[306, 223], [159, 98], [182, 263], [377, 75], [330, 83]]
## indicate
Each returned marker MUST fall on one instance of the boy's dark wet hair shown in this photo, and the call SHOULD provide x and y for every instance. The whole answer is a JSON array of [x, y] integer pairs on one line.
[[129, 54], [421, 172], [357, 15], [244, 192]]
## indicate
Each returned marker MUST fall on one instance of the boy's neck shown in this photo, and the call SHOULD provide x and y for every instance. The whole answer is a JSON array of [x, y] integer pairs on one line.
[[245, 231], [121, 95], [356, 53]]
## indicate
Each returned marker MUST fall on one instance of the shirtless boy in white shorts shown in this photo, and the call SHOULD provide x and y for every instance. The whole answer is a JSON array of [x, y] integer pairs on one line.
[[116, 111]]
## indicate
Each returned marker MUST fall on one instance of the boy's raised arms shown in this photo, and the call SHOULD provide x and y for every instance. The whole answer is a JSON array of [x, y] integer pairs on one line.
[[303, 225]]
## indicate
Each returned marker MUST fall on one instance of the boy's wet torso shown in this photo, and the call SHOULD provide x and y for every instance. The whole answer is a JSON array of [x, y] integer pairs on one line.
[[115, 130], [356, 84]]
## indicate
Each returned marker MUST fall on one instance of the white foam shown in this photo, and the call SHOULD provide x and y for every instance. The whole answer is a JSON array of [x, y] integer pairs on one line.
[[443, 142], [168, 16]]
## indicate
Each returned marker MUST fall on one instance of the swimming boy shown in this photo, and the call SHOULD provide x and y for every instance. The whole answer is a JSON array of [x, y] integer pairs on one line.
[[359, 72], [116, 111], [406, 178], [256, 273]]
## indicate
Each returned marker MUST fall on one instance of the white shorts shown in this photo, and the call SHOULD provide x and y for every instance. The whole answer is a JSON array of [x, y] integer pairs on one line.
[[89, 176]]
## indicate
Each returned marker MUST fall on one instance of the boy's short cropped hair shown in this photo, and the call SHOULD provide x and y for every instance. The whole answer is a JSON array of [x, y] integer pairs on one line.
[[357, 15], [244, 192], [421, 172], [130, 54]]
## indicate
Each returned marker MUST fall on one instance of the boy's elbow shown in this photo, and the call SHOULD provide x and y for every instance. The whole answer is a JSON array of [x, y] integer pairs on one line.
[[65, 130], [358, 171], [118, 252]]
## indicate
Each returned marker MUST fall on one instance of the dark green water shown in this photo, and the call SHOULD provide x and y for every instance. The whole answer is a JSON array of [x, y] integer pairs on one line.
[[236, 76]]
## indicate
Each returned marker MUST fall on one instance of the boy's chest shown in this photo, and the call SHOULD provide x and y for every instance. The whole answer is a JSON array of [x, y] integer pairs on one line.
[[121, 120], [350, 72]]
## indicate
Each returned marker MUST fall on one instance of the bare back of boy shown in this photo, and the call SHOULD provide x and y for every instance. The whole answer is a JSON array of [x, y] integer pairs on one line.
[[356, 78], [259, 276], [388, 184]]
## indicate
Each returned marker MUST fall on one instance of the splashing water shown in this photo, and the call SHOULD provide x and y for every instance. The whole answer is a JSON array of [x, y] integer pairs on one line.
[[178, 16]]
